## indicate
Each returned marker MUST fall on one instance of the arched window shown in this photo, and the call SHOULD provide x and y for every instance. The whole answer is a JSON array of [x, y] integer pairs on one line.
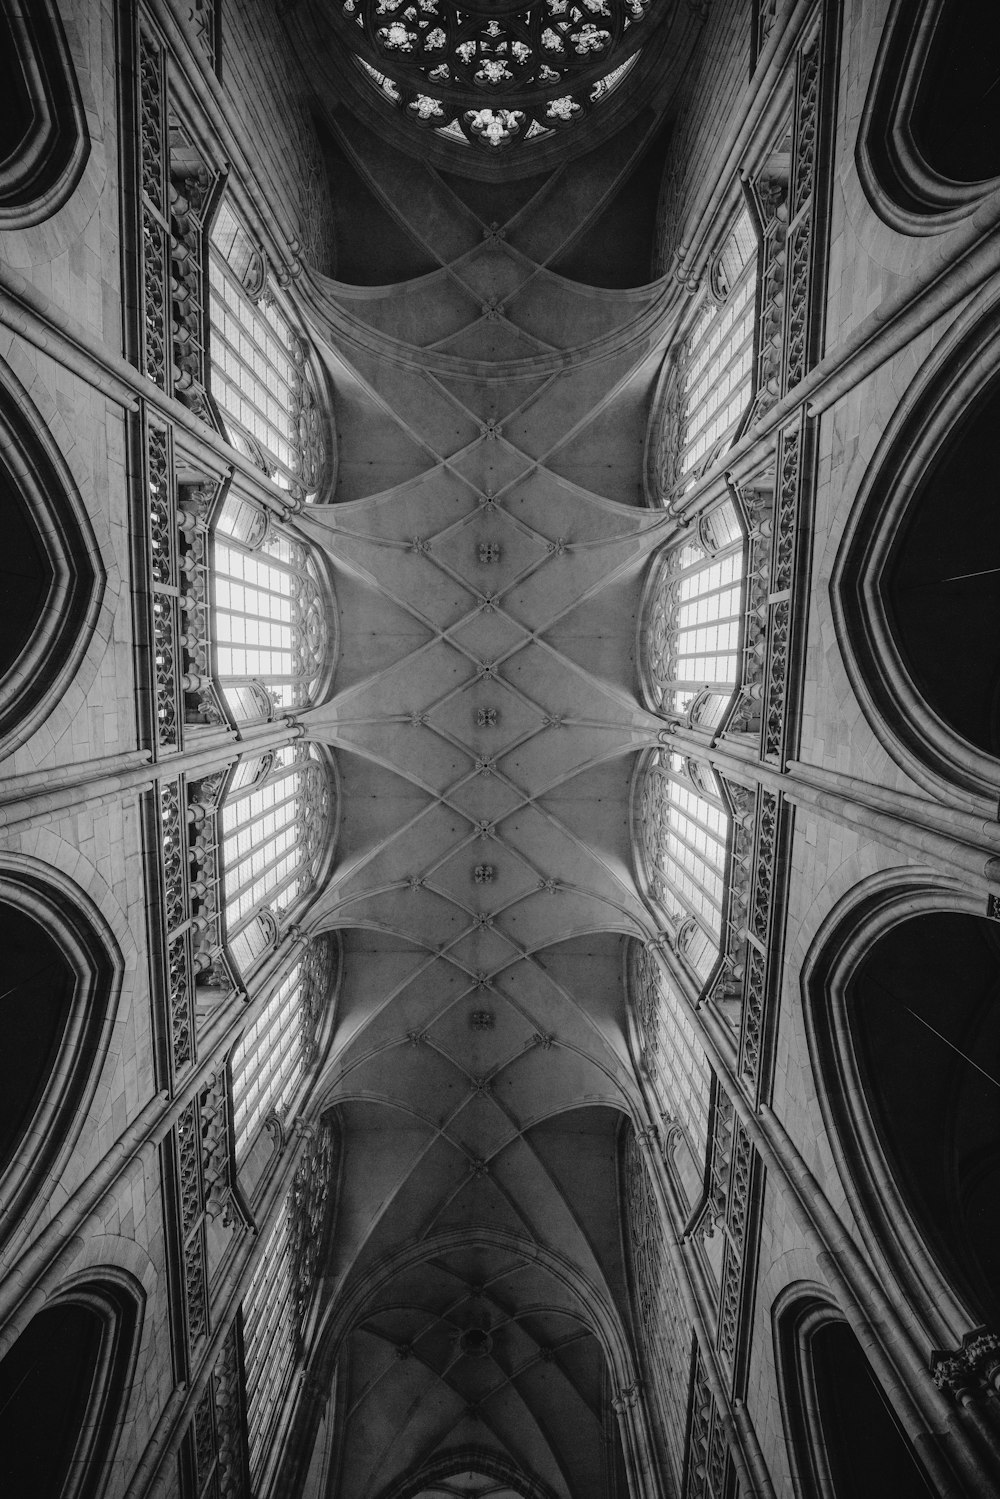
[[693, 623], [259, 365], [51, 589], [278, 1297], [276, 823], [664, 1331], [44, 141], [709, 385], [55, 1013], [929, 144], [682, 836], [275, 1052], [270, 616], [62, 1388], [674, 1060], [846, 1439]]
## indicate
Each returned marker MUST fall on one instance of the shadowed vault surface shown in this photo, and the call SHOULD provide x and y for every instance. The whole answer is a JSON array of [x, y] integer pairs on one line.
[[488, 544]]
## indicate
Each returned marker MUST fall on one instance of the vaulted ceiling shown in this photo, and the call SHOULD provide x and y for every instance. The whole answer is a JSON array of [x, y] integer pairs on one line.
[[488, 541]]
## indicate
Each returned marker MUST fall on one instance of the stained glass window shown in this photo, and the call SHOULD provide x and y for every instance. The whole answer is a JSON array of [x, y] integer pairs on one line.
[[258, 364], [684, 831], [268, 1339], [270, 616]]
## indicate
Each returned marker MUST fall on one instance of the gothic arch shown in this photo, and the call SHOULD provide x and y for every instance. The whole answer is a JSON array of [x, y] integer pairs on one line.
[[54, 582], [58, 1016], [904, 1121], [923, 668], [44, 143], [844, 1439], [64, 1386], [469, 1459], [926, 151]]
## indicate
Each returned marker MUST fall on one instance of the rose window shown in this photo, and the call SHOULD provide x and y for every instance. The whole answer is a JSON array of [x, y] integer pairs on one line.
[[492, 73]]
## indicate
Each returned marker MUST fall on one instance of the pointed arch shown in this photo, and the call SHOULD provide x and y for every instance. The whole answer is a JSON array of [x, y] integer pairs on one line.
[[900, 1002], [44, 140], [64, 1386], [62, 976], [927, 151], [52, 576], [918, 573], [844, 1439]]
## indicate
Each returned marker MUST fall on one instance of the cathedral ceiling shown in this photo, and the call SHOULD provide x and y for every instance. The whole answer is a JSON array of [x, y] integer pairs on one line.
[[488, 543]]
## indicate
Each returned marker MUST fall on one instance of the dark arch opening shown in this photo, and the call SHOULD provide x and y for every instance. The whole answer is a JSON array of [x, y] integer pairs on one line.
[[51, 585], [26, 574], [62, 1391], [46, 1383], [44, 143], [923, 1009], [35, 1001], [942, 580], [867, 1453], [955, 120]]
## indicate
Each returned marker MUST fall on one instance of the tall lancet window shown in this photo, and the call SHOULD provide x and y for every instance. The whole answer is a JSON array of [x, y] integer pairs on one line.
[[673, 1059], [259, 364], [278, 1297], [683, 833], [270, 614], [696, 610], [274, 1053], [717, 370], [276, 819]]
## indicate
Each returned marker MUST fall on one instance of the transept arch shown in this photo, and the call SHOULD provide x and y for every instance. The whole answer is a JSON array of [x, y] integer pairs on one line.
[[900, 994], [915, 582]]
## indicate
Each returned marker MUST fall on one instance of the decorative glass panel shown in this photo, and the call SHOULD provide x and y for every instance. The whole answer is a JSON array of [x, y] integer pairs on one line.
[[269, 1337]]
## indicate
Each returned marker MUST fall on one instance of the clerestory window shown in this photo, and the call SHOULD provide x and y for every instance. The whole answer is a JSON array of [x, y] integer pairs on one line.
[[671, 1054], [275, 1052], [259, 366], [683, 837], [717, 367], [274, 832], [693, 635], [270, 614]]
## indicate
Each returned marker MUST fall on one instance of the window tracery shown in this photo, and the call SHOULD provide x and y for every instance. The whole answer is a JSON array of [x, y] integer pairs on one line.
[[274, 834], [492, 80], [693, 632], [259, 365], [278, 1295], [270, 614], [683, 835], [274, 1053], [672, 1055], [665, 1337]]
